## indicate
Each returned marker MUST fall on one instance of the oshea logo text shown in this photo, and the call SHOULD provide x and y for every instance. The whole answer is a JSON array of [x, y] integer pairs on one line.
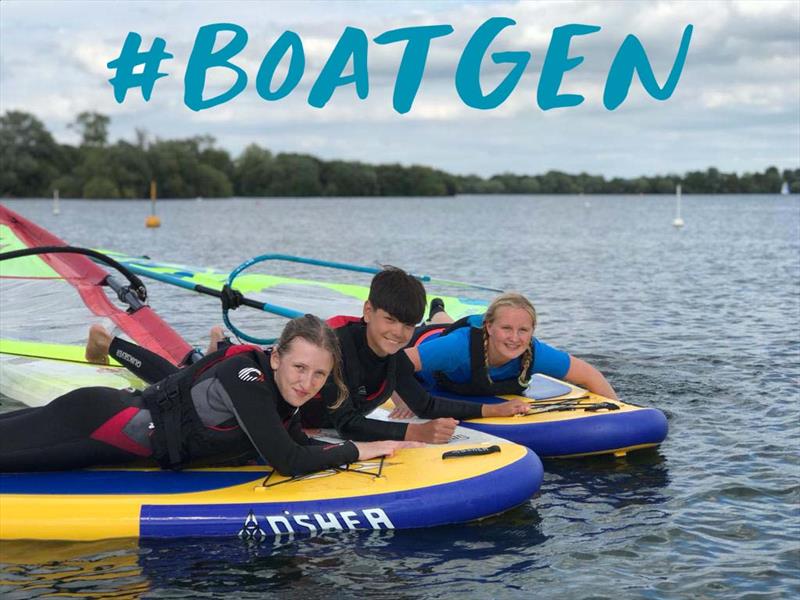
[[367, 518], [140, 69]]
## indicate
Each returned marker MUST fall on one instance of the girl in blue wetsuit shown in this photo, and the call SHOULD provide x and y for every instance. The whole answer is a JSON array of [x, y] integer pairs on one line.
[[495, 353]]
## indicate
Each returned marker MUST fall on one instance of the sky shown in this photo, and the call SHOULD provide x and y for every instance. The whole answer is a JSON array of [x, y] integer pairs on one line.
[[736, 105]]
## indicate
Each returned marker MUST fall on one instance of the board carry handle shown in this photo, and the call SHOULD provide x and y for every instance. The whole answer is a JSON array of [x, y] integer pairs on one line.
[[470, 452]]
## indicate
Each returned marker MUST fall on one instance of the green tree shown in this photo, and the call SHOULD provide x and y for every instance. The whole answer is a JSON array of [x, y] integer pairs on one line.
[[130, 169], [93, 129], [296, 175], [557, 182], [30, 159], [340, 178], [101, 188], [177, 168], [392, 180], [253, 172], [424, 181], [771, 181]]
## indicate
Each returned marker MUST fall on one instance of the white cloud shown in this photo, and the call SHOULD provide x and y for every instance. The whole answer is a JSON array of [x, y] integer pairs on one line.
[[741, 77]]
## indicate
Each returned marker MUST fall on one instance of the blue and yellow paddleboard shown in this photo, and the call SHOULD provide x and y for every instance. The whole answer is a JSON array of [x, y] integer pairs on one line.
[[566, 421], [415, 488]]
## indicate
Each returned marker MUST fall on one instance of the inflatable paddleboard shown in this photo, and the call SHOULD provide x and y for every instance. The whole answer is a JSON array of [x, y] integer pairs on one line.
[[250, 502], [565, 421], [418, 487]]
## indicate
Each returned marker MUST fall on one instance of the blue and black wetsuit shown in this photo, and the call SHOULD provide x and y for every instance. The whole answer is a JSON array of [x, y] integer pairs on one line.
[[452, 358]]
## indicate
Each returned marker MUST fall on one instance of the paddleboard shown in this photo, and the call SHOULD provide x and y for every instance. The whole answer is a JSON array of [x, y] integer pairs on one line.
[[251, 502], [565, 421], [418, 487]]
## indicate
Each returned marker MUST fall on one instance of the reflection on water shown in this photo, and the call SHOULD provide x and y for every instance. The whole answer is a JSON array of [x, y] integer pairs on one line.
[[377, 561], [88, 570]]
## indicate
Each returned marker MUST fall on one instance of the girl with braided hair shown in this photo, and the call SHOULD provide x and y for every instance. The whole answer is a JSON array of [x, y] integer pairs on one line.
[[495, 353]]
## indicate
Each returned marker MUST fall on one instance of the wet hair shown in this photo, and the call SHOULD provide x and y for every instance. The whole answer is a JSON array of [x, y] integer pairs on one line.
[[399, 294], [509, 300], [315, 331]]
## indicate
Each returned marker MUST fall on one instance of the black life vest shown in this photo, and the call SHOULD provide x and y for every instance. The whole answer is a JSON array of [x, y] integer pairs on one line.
[[179, 436], [479, 383], [347, 328]]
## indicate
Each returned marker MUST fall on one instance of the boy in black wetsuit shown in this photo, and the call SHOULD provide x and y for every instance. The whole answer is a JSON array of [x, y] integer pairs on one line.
[[374, 368]]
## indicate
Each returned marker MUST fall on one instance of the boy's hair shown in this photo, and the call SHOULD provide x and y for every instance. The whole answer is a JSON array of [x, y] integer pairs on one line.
[[399, 294]]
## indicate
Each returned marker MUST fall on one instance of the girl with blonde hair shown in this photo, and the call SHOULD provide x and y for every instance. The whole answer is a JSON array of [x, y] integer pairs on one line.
[[495, 353]]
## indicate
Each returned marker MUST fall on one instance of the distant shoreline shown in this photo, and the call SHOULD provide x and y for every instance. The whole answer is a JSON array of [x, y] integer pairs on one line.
[[35, 165], [255, 198]]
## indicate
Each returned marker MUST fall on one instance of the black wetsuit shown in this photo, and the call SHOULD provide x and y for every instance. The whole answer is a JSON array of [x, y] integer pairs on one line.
[[375, 387], [235, 397]]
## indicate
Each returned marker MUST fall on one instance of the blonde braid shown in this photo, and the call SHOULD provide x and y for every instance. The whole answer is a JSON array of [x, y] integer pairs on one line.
[[526, 362], [486, 351]]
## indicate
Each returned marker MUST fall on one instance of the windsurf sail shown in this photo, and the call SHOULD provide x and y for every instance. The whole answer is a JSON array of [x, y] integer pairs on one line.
[[48, 303], [291, 296]]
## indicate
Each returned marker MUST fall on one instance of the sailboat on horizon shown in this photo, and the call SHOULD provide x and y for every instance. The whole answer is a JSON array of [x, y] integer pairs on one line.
[[677, 221], [785, 188]]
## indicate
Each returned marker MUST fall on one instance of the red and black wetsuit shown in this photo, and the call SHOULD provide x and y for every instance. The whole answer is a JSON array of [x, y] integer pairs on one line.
[[229, 406], [371, 380]]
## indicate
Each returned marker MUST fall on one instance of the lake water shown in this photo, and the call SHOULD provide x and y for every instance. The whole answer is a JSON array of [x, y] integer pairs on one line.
[[703, 323]]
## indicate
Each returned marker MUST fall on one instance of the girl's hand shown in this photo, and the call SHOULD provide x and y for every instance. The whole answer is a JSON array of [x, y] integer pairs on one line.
[[505, 409]]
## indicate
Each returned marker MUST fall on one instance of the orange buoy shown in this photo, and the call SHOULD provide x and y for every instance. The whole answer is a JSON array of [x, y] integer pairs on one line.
[[152, 220]]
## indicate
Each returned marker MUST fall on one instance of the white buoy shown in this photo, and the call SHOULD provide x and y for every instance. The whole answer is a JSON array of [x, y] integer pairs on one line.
[[677, 221], [56, 204]]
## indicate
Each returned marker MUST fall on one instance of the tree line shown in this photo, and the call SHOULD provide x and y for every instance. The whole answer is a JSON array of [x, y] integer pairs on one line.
[[34, 165]]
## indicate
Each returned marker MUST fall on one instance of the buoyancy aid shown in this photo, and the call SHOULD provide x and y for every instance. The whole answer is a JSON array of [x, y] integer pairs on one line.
[[479, 384], [347, 328], [179, 435]]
